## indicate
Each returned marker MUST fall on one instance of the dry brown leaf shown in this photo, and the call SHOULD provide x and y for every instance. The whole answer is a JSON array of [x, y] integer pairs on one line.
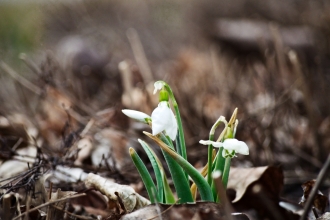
[[240, 179]]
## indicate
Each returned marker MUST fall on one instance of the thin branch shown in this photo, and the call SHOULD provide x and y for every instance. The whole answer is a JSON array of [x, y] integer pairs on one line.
[[26, 83]]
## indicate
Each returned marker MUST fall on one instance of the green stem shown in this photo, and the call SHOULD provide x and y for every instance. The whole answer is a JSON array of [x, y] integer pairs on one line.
[[226, 172], [183, 151], [219, 165], [209, 160], [209, 152]]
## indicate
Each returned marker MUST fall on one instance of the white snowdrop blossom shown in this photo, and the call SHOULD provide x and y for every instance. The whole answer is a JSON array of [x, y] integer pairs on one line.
[[158, 86], [137, 115], [230, 146], [164, 119]]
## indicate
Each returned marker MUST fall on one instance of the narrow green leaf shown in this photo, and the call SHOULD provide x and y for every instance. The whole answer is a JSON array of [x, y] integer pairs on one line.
[[202, 185], [168, 194], [145, 175], [155, 165], [182, 187]]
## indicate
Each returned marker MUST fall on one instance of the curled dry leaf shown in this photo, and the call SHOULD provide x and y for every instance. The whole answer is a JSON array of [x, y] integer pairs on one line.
[[320, 201], [128, 196]]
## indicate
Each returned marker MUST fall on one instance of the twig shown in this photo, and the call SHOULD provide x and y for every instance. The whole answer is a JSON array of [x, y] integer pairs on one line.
[[18, 204], [317, 184], [27, 205], [49, 203], [222, 194]]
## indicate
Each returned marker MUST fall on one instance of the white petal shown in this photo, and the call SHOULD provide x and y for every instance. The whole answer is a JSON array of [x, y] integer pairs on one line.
[[244, 149], [208, 142], [158, 86], [217, 144], [238, 146], [161, 118], [137, 115], [172, 131]]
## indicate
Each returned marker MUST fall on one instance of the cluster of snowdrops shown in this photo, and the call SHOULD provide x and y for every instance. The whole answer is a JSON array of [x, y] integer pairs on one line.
[[167, 132]]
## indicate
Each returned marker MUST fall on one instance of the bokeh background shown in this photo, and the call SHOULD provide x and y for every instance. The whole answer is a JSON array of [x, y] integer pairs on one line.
[[268, 58]]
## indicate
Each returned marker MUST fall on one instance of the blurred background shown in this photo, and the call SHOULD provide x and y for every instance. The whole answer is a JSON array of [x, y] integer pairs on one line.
[[64, 63]]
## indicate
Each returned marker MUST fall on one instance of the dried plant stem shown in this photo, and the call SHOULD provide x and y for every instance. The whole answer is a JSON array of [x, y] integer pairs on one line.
[[26, 83], [317, 184], [30, 64], [221, 191], [6, 204], [308, 101], [48, 203], [139, 55]]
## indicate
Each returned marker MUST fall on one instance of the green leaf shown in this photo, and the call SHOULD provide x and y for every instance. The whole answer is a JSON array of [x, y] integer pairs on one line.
[[182, 187], [155, 165], [145, 175], [202, 185]]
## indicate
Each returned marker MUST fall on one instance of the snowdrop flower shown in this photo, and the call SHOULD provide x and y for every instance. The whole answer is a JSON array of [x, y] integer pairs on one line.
[[230, 146], [137, 115], [164, 119]]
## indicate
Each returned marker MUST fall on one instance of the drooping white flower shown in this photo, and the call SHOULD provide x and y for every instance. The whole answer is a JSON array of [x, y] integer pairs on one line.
[[229, 145], [137, 115], [163, 119], [158, 86]]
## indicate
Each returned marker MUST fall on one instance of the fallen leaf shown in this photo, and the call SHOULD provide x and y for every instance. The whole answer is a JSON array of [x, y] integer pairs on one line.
[[240, 179], [259, 189]]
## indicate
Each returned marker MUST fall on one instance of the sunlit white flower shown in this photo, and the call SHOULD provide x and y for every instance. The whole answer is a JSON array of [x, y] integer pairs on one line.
[[137, 115], [164, 119], [230, 146], [158, 86]]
